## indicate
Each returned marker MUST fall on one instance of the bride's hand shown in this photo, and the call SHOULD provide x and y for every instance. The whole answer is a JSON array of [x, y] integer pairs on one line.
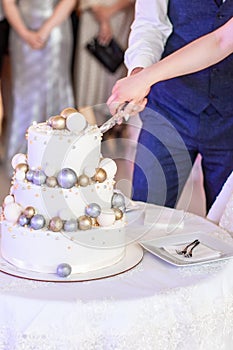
[[132, 89]]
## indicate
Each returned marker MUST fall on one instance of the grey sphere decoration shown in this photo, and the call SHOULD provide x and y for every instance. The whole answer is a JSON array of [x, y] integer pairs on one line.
[[67, 178], [118, 200], [70, 225], [39, 177], [83, 180], [30, 175], [93, 210], [37, 222], [23, 220], [64, 270]]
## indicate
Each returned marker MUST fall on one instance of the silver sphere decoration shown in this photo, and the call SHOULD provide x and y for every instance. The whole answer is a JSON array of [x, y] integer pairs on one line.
[[37, 222], [23, 220], [83, 180], [84, 223], [64, 270], [70, 225], [93, 210], [118, 200], [39, 177], [67, 178], [30, 175]]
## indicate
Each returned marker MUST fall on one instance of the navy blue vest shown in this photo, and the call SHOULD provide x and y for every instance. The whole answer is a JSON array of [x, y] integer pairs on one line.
[[214, 85]]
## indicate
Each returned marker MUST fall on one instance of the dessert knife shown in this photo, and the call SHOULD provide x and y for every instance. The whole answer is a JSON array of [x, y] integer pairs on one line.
[[116, 119]]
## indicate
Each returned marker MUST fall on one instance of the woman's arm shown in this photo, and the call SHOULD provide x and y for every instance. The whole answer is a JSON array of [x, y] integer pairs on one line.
[[60, 13], [193, 57], [13, 15]]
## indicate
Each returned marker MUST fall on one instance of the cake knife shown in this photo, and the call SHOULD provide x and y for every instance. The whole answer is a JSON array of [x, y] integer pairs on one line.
[[116, 119]]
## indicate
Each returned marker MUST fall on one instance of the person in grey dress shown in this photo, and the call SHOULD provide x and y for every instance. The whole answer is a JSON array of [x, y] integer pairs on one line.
[[40, 50]]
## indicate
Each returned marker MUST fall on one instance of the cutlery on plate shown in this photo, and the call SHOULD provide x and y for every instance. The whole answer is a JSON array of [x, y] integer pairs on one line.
[[184, 251], [189, 254]]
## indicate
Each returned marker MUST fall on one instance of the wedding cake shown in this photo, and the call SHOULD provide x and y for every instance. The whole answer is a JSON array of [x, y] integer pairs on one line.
[[62, 214]]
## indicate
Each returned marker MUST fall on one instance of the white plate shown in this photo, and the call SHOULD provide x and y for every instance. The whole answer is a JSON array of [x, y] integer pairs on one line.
[[156, 247], [133, 255]]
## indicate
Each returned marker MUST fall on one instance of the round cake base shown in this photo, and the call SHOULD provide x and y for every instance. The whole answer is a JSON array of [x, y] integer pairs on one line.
[[133, 255]]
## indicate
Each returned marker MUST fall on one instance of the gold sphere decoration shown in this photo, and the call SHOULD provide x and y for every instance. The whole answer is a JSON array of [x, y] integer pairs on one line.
[[118, 213], [56, 224], [51, 181], [21, 167], [84, 223], [58, 122], [100, 175], [94, 222], [67, 111], [29, 212], [83, 180]]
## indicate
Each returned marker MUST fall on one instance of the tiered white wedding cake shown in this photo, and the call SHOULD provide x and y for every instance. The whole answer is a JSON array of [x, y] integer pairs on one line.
[[62, 214]]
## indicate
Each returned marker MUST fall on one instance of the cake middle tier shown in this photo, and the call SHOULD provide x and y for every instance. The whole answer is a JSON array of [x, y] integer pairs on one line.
[[57, 201]]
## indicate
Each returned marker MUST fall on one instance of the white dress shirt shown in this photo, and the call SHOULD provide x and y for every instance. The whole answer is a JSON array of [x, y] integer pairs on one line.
[[149, 33]]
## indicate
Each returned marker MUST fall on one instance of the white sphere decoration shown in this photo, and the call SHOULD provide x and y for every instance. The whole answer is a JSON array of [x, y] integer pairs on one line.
[[49, 170], [89, 171], [20, 175], [12, 212], [8, 199], [106, 217], [109, 165], [65, 214], [18, 158], [76, 122]]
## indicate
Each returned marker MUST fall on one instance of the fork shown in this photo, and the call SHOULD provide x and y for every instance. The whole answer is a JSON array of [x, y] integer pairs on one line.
[[190, 253], [184, 251]]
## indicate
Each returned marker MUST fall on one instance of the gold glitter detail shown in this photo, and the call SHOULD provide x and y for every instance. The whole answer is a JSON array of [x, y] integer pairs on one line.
[[69, 247], [13, 236], [9, 229], [37, 195], [44, 189], [29, 187], [31, 142], [48, 234], [52, 196]]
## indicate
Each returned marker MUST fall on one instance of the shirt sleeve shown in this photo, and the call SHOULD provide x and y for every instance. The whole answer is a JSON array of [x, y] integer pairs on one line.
[[149, 33]]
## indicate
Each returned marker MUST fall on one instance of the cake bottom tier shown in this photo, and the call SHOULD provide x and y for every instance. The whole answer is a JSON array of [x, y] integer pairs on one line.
[[43, 250]]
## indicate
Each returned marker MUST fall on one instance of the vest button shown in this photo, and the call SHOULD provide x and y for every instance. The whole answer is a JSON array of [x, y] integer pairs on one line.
[[220, 16]]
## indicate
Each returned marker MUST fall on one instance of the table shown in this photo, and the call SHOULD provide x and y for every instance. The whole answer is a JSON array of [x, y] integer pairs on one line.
[[153, 306]]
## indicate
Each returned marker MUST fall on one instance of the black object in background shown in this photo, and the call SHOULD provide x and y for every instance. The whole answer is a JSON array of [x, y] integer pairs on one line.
[[111, 56]]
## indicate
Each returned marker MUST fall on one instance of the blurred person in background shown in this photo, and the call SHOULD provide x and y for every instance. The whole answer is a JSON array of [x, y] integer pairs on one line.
[[105, 20], [41, 50]]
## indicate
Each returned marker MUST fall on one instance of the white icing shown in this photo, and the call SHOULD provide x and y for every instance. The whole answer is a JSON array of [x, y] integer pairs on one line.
[[49, 201], [59, 149], [43, 250]]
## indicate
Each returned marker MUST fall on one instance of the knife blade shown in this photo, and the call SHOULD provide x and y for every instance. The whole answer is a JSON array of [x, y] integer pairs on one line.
[[117, 118]]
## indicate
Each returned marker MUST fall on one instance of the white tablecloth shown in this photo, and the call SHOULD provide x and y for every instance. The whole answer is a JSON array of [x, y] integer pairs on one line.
[[153, 306]]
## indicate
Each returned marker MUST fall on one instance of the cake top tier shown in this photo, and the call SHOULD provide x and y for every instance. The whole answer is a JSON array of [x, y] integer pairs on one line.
[[63, 142]]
